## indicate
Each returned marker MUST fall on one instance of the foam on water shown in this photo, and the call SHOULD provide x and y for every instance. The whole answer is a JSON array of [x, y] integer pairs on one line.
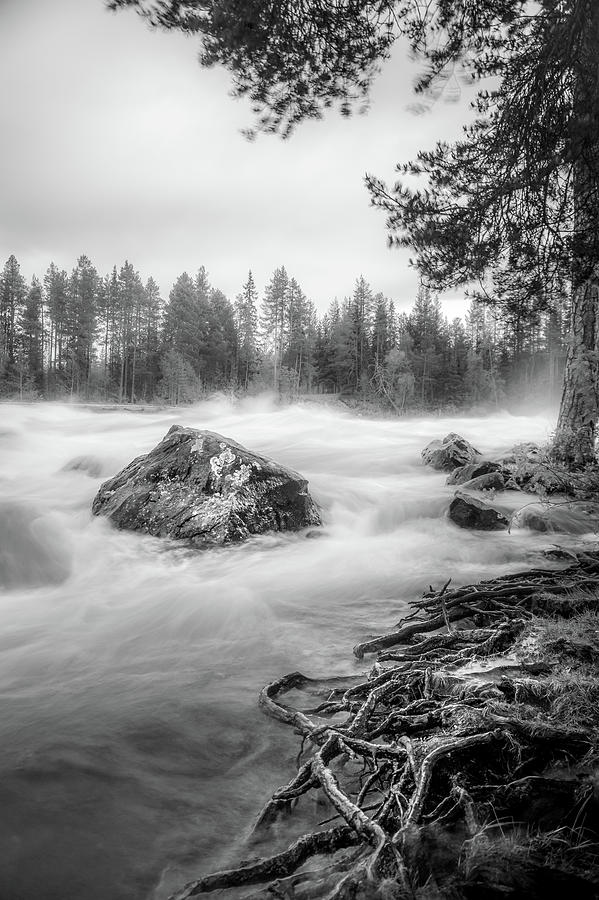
[[131, 750]]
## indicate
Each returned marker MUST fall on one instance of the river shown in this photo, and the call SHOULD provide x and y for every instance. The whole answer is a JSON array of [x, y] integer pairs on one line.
[[132, 752]]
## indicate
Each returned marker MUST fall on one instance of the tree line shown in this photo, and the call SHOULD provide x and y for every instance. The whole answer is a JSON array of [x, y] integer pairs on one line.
[[113, 338]]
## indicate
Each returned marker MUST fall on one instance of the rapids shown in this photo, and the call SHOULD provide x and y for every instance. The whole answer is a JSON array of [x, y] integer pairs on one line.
[[132, 752]]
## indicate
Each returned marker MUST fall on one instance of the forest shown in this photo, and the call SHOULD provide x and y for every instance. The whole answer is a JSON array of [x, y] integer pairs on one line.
[[114, 338]]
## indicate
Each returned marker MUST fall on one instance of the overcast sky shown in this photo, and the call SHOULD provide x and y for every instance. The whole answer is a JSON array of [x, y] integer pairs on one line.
[[117, 144]]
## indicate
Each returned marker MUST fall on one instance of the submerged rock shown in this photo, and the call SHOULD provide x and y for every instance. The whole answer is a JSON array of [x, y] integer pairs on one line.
[[470, 512], [571, 518], [205, 488], [448, 454], [91, 465]]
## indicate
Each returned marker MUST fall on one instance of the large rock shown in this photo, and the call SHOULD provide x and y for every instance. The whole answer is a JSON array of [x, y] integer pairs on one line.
[[470, 512], [205, 488], [448, 454]]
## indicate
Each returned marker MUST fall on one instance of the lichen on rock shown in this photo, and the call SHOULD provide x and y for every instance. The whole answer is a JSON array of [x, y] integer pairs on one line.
[[205, 488]]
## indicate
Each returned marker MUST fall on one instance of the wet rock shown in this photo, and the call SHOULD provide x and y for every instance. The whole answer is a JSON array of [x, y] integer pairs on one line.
[[470, 512], [473, 470], [205, 488], [578, 518], [450, 453], [491, 481]]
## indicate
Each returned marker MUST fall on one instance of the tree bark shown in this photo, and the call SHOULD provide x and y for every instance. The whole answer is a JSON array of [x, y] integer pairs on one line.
[[579, 409]]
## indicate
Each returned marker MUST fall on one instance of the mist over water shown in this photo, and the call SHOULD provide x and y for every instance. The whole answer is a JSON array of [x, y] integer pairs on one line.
[[132, 752]]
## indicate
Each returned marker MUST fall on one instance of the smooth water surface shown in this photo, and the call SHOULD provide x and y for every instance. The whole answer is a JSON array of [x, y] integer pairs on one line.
[[132, 753]]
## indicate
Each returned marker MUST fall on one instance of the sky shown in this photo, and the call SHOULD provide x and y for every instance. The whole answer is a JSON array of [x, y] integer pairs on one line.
[[117, 144]]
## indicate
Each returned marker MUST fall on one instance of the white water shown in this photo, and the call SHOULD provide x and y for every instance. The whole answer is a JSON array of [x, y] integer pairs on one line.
[[132, 754]]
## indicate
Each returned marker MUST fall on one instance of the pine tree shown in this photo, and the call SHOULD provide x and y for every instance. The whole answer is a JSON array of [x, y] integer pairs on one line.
[[31, 336], [221, 340], [183, 323], [81, 324], [273, 317], [13, 291], [425, 327], [360, 316], [299, 333], [130, 302], [149, 368], [56, 292], [246, 323]]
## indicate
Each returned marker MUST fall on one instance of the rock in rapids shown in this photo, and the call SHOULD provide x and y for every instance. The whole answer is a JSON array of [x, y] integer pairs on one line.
[[205, 488]]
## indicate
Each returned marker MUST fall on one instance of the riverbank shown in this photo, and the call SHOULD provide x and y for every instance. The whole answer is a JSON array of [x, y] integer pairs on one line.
[[464, 765]]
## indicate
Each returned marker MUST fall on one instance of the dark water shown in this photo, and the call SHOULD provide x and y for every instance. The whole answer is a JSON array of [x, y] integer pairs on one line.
[[132, 754]]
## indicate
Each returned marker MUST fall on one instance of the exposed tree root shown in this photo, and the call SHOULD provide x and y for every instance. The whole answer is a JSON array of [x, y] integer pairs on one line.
[[277, 866], [453, 766]]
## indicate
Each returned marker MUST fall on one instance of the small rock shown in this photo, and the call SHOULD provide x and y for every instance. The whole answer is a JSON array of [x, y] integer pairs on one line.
[[470, 512], [473, 470], [448, 454], [491, 481]]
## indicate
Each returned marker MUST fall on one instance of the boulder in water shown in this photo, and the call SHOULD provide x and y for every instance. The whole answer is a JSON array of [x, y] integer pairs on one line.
[[473, 470], [491, 481], [470, 512], [205, 488], [448, 454]]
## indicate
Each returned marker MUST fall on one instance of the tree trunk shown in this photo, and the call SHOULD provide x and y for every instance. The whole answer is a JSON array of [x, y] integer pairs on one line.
[[133, 374], [579, 409]]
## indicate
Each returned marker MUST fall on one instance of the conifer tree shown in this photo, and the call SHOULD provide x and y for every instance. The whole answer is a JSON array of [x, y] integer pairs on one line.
[[273, 317], [31, 335], [246, 323], [56, 292], [152, 322], [183, 323], [360, 316], [13, 291], [81, 324]]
